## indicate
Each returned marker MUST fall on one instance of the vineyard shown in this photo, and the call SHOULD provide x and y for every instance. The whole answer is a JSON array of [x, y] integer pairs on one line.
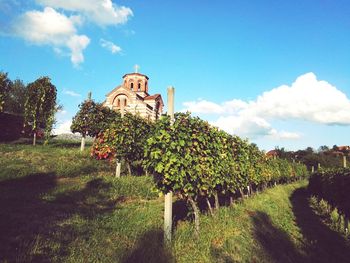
[[72, 208], [193, 159]]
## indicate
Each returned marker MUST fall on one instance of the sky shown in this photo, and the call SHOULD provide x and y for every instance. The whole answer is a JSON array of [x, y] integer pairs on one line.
[[275, 72]]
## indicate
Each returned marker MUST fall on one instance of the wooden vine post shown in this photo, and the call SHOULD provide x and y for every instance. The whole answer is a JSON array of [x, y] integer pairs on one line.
[[168, 200], [119, 164], [344, 161], [82, 144]]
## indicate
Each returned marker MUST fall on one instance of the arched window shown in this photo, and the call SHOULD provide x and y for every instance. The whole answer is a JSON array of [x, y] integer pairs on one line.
[[118, 103], [125, 102], [132, 86], [139, 87]]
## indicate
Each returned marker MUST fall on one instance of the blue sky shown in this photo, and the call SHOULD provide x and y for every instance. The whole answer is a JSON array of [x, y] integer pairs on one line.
[[277, 72]]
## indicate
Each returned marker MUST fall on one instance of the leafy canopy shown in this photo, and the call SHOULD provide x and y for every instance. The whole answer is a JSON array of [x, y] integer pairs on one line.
[[40, 105], [124, 138], [92, 118]]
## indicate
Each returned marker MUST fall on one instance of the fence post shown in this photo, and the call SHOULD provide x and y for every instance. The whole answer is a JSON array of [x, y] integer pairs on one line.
[[168, 200]]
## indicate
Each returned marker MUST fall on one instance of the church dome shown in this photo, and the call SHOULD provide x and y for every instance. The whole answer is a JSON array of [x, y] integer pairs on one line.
[[136, 82]]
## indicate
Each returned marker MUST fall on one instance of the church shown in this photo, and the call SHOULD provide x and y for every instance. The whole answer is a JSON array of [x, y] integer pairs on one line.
[[132, 96]]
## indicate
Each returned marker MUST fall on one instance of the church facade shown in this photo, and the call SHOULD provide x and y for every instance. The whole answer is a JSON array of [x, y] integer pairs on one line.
[[132, 96]]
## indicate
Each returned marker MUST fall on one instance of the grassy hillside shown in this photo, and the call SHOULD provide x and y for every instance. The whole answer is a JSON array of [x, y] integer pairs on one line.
[[275, 226], [58, 205]]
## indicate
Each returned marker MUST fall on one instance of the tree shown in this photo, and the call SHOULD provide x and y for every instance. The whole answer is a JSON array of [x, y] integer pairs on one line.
[[323, 148], [14, 102], [40, 106], [91, 119], [5, 86], [309, 150]]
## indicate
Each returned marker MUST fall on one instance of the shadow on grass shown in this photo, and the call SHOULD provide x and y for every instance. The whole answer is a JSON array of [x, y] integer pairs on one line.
[[150, 248], [181, 212], [32, 228], [323, 244], [275, 242], [220, 255]]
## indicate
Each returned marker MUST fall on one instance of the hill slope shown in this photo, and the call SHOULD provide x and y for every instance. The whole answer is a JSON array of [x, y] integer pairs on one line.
[[59, 205]]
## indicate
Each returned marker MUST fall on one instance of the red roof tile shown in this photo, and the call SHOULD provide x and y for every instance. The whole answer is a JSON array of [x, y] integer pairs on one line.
[[152, 97], [138, 74]]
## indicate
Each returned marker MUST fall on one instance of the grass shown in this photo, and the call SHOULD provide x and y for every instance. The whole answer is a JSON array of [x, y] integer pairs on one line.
[[59, 205], [260, 229]]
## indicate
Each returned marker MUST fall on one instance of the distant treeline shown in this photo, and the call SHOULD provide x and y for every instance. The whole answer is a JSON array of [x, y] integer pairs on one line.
[[324, 157]]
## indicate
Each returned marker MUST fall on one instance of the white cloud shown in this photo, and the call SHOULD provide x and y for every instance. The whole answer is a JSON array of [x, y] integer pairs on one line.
[[306, 99], [252, 127], [101, 12], [246, 127], [49, 27], [59, 29], [62, 112], [63, 127], [203, 106], [71, 93], [110, 46], [284, 135], [77, 44]]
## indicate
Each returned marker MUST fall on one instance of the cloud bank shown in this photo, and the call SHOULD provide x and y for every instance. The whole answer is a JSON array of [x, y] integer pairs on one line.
[[307, 99], [100, 12], [49, 27], [58, 24]]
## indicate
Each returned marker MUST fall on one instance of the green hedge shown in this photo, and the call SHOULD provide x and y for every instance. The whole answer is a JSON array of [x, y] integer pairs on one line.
[[333, 185]]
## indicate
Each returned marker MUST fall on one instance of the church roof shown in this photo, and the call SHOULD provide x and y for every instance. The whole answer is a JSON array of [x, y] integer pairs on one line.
[[152, 97], [109, 93], [272, 153], [138, 74]]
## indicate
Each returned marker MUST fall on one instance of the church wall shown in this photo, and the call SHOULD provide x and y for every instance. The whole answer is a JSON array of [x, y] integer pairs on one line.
[[135, 103]]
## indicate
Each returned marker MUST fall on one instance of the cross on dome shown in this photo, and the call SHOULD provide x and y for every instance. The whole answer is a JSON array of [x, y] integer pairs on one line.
[[136, 67]]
